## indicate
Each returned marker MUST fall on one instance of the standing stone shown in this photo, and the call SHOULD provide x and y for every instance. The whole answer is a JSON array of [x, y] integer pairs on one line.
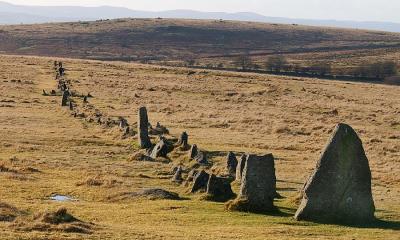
[[71, 106], [64, 98], [183, 141], [200, 182], [339, 190], [219, 189], [178, 175], [160, 150], [201, 158], [192, 175], [143, 123], [258, 187], [123, 123], [231, 164], [240, 167], [193, 151]]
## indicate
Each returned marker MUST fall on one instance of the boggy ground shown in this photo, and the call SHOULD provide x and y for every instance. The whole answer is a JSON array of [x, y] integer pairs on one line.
[[45, 151]]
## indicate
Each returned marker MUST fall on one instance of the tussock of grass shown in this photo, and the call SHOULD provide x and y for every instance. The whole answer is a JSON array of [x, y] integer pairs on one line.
[[58, 221], [8, 213], [98, 181]]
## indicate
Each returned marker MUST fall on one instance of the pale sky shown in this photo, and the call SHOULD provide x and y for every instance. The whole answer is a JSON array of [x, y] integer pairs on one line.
[[362, 10]]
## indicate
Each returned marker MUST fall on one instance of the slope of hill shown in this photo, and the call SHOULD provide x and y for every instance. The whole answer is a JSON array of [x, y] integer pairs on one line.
[[206, 41], [43, 14], [44, 150]]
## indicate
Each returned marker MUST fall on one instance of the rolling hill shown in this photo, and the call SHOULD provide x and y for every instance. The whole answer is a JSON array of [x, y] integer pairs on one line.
[[12, 14], [215, 42]]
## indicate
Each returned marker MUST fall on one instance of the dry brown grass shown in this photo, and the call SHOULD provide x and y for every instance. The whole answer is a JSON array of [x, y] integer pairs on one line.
[[289, 117]]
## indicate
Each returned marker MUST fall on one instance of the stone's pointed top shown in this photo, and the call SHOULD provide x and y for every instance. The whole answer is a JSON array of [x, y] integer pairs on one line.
[[339, 190]]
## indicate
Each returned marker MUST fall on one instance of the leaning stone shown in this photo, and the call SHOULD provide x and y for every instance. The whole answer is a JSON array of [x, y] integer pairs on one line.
[[339, 190], [240, 167], [160, 150], [219, 189], [143, 122], [200, 182], [258, 187], [231, 164]]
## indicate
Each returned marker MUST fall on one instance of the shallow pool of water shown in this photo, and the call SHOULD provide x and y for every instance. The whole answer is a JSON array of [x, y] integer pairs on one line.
[[62, 198]]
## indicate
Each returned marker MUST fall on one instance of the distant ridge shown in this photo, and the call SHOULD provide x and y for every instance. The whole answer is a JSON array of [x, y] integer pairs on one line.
[[44, 14]]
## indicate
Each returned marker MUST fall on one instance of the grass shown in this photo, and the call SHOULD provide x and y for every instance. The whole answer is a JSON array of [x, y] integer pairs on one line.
[[286, 116]]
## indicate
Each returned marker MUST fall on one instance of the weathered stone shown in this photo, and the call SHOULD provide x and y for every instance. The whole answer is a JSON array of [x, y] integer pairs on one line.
[[123, 123], [71, 106], [192, 174], [201, 158], [219, 189], [339, 190], [183, 141], [200, 182], [258, 187], [85, 99], [193, 151], [160, 150], [65, 97], [143, 122], [240, 167], [231, 164], [178, 175], [158, 130]]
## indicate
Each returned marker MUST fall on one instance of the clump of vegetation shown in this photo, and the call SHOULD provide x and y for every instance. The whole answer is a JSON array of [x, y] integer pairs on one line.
[[59, 221], [379, 70], [276, 64], [243, 62], [98, 181], [7, 212]]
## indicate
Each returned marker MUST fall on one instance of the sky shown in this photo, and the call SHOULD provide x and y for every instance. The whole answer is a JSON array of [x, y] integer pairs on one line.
[[359, 10]]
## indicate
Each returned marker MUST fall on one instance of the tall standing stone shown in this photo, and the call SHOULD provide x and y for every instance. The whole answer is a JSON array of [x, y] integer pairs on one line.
[[65, 97], [339, 190], [258, 188], [240, 167], [143, 123], [231, 164]]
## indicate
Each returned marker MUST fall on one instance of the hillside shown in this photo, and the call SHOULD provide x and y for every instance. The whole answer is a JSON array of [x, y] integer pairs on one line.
[[45, 150], [26, 14], [208, 42]]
